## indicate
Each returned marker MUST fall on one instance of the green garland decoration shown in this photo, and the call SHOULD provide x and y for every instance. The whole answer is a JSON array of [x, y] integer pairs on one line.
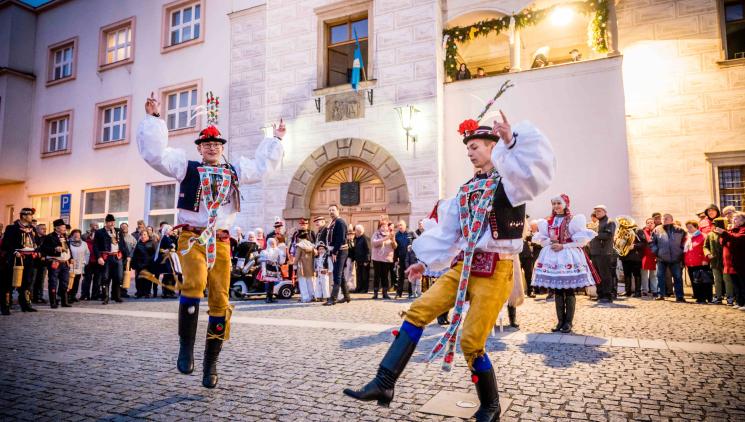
[[596, 31]]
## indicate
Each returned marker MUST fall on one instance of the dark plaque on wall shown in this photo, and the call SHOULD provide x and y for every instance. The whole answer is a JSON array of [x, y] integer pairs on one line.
[[349, 193]]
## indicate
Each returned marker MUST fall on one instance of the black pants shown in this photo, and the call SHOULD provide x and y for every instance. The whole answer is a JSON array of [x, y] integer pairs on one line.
[[39, 276], [602, 264], [110, 276], [382, 271], [363, 276], [527, 265], [702, 292], [632, 269], [90, 288], [402, 280], [738, 280]]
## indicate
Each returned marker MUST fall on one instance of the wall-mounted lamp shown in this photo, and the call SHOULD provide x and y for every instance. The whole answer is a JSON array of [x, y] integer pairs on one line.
[[407, 115]]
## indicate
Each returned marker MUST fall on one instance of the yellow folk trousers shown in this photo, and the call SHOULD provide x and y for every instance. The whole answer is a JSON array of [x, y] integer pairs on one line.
[[486, 294], [197, 277]]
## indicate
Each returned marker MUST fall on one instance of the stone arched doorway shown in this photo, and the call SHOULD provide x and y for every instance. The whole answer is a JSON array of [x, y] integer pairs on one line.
[[383, 189]]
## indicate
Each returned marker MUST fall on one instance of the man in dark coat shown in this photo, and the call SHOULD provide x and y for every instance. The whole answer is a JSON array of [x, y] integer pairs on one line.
[[362, 259], [56, 251], [110, 249], [19, 244], [602, 254], [336, 239]]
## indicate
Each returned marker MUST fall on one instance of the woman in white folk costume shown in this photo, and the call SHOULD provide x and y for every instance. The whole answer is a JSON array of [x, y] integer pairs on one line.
[[481, 229], [562, 264], [271, 260], [208, 202]]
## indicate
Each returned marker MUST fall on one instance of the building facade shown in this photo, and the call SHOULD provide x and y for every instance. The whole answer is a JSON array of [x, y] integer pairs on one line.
[[655, 123]]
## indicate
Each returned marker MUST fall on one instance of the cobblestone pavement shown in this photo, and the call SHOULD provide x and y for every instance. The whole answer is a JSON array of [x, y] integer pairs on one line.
[[64, 365]]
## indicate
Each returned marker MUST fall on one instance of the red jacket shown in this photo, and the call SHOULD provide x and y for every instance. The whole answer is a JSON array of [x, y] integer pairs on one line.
[[733, 250], [649, 260], [695, 257]]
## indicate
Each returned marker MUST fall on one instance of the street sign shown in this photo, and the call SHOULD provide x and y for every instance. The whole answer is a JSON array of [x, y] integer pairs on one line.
[[65, 205]]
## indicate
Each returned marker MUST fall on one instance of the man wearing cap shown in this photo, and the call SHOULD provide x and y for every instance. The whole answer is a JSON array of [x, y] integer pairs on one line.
[[295, 238], [481, 229], [208, 201], [19, 245], [56, 251], [602, 254], [110, 250]]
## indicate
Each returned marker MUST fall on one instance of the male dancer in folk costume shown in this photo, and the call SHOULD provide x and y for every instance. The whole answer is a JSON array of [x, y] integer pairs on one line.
[[208, 202], [481, 228]]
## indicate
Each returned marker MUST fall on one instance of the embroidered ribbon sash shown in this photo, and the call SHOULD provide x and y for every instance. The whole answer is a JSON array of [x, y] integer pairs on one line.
[[474, 202]]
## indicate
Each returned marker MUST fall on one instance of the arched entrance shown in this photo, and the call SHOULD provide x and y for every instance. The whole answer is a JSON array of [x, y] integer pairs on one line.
[[318, 183]]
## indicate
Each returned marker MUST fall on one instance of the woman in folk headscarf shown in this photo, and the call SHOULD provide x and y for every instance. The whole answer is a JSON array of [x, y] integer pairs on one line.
[[562, 264]]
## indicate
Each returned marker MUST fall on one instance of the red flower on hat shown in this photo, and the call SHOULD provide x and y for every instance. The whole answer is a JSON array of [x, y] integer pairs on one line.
[[468, 125], [210, 132]]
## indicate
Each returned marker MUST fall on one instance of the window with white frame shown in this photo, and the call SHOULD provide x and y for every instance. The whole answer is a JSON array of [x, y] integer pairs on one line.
[[732, 186], [161, 203], [47, 207], [62, 66], [97, 203], [118, 45], [57, 133], [185, 23], [180, 107], [114, 123]]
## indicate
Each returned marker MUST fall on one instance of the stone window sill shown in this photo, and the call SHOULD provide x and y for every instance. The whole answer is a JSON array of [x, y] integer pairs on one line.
[[731, 63], [338, 89]]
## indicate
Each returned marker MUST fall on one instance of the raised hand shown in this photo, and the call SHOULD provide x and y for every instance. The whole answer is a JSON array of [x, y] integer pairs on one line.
[[279, 131], [503, 130], [152, 105]]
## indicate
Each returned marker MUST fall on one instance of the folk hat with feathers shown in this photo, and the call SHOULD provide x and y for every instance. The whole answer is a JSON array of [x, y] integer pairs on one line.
[[211, 133], [471, 129]]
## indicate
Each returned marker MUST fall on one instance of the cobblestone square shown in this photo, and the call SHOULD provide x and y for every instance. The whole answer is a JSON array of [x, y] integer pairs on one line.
[[634, 360]]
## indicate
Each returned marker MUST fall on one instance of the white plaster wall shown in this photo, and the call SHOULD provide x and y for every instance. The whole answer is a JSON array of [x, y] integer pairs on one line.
[[579, 107], [87, 168]]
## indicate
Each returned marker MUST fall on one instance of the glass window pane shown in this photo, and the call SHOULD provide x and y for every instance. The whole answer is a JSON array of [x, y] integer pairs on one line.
[[193, 97], [55, 210], [197, 11], [360, 27], [186, 34], [196, 30], [171, 121], [124, 129], [62, 141], [172, 101], [118, 200], [183, 99], [176, 18], [110, 57], [124, 112], [53, 127], [57, 73], [57, 56], [128, 52], [95, 202], [187, 15], [117, 114], [107, 116], [106, 134], [119, 54], [110, 40], [68, 54], [174, 37], [162, 197], [154, 220], [339, 33], [62, 125], [115, 135], [182, 119], [734, 12], [66, 70]]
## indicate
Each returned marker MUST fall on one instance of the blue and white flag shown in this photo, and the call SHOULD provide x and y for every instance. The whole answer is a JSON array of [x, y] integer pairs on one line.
[[357, 63]]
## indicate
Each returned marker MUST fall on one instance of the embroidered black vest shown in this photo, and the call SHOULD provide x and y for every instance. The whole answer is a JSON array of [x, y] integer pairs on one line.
[[190, 189], [508, 221]]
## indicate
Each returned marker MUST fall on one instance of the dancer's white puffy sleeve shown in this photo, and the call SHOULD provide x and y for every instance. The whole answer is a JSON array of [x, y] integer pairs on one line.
[[267, 158], [579, 232], [542, 238], [152, 142], [527, 165], [437, 246]]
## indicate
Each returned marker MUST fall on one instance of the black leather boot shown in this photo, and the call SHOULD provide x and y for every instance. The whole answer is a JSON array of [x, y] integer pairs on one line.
[[570, 302], [393, 364], [188, 315], [486, 389], [334, 295], [5, 303], [24, 299], [64, 300], [105, 294], [512, 314], [116, 293], [215, 337], [560, 312], [53, 298]]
